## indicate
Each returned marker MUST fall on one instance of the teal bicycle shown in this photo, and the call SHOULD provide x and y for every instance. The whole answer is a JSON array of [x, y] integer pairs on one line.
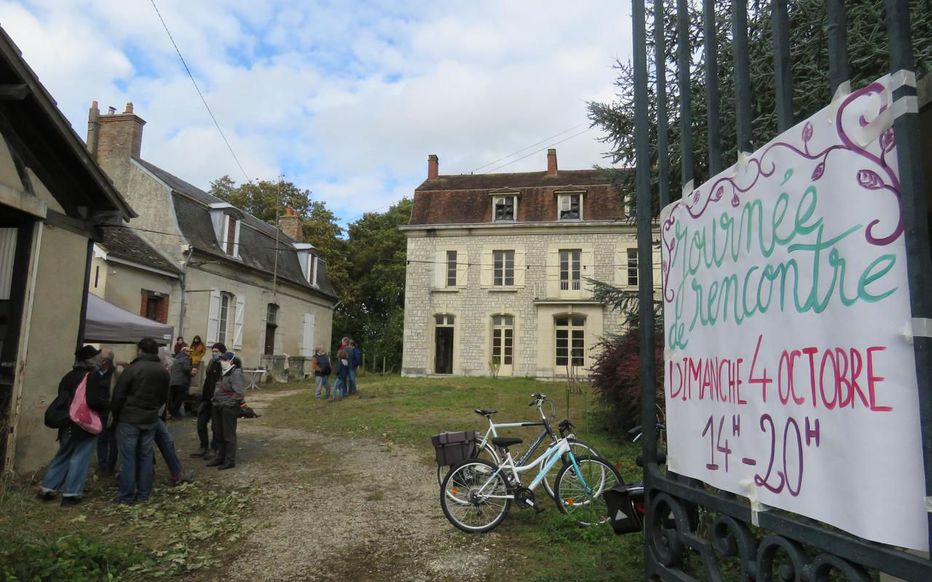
[[476, 494]]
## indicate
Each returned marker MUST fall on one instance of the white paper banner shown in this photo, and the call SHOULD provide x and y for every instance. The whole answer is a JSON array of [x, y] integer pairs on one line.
[[788, 377]]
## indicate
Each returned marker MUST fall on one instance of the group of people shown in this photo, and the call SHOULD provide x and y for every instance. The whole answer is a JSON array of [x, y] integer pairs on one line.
[[349, 357], [132, 420], [184, 368]]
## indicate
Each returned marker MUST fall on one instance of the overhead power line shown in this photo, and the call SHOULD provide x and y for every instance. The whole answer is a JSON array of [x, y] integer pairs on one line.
[[538, 150], [514, 153], [199, 94]]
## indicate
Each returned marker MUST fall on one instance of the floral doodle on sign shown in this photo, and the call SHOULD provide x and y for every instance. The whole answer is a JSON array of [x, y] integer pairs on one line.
[[878, 176]]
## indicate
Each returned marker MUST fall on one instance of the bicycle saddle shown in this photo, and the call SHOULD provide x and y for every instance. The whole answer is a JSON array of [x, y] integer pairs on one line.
[[485, 412], [505, 442]]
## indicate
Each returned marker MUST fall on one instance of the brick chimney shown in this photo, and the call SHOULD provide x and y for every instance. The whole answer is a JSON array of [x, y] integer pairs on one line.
[[552, 162], [290, 223], [114, 135], [433, 167], [93, 128]]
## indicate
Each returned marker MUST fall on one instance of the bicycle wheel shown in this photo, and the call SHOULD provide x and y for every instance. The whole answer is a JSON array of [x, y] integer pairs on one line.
[[580, 449], [486, 452], [473, 496], [580, 489]]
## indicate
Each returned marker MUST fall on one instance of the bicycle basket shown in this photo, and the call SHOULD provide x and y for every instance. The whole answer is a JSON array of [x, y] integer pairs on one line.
[[455, 447]]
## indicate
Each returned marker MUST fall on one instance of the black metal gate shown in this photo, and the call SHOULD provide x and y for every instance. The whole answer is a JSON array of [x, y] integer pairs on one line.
[[724, 544]]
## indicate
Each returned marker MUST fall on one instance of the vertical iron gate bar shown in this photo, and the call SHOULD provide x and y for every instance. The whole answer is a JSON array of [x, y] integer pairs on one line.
[[686, 106], [643, 217], [742, 75], [783, 75], [660, 69], [914, 212], [837, 30], [713, 101]]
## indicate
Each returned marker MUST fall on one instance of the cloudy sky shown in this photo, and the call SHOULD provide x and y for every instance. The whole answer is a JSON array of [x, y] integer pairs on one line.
[[346, 99]]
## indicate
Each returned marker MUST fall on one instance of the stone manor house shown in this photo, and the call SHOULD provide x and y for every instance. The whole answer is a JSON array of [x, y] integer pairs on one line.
[[498, 264]]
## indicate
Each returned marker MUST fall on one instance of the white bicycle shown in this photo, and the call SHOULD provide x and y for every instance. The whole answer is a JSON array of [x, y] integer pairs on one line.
[[485, 448], [477, 494]]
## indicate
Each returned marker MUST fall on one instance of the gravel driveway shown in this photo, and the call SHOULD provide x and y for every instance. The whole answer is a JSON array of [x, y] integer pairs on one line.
[[332, 508]]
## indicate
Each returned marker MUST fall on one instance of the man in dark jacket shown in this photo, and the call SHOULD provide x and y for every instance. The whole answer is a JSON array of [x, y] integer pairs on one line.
[[180, 381], [106, 440], [68, 470], [205, 408], [139, 394]]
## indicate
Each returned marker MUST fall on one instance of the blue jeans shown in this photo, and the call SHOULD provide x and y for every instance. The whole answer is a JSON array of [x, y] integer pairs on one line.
[[339, 387], [135, 444], [68, 468], [166, 444], [352, 380], [322, 382]]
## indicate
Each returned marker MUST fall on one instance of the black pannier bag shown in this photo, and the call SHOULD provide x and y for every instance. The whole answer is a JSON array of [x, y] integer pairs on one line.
[[455, 447], [625, 507]]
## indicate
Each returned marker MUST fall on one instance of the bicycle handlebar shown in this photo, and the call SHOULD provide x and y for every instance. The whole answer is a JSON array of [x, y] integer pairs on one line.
[[537, 399]]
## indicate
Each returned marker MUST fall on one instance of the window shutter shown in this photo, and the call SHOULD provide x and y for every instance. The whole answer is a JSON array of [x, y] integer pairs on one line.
[[440, 269], [307, 337], [238, 325], [224, 232], [213, 317], [239, 223], [485, 273], [519, 268]]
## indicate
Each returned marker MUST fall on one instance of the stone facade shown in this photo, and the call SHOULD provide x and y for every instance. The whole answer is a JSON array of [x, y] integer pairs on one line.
[[534, 304], [491, 296]]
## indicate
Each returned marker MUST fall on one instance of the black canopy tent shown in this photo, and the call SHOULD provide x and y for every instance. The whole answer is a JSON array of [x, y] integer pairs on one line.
[[108, 324]]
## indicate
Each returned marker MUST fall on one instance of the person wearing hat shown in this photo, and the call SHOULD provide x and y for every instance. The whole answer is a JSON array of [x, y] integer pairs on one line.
[[209, 445], [139, 395], [228, 396], [68, 469]]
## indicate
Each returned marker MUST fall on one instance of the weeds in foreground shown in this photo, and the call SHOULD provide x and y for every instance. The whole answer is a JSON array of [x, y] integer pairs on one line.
[[184, 530]]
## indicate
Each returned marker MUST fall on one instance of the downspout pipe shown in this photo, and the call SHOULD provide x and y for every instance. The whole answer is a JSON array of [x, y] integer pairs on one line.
[[188, 252], [82, 322]]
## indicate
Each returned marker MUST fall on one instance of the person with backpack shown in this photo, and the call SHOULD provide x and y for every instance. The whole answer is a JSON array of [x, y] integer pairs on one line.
[[321, 364], [68, 470]]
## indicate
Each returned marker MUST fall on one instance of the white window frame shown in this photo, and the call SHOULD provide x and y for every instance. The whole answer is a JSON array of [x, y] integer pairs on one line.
[[571, 277], [503, 198], [564, 199], [227, 306], [225, 234], [500, 269], [631, 266], [452, 268], [575, 324], [501, 324]]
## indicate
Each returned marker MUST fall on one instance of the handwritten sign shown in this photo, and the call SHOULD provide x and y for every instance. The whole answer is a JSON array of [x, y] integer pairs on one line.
[[789, 373]]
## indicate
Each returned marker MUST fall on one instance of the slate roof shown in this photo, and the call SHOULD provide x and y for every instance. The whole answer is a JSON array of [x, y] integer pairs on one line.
[[257, 238], [467, 198], [123, 243]]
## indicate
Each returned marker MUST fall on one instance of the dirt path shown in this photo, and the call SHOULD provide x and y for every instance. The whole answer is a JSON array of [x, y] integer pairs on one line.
[[345, 509]]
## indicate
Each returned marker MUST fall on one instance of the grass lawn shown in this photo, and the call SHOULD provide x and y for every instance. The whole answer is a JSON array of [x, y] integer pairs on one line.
[[410, 410]]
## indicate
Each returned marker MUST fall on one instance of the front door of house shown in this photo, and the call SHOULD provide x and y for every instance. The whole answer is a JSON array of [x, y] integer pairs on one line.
[[443, 345]]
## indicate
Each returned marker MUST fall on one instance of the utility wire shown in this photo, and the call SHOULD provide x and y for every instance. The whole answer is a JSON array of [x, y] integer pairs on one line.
[[514, 153], [201, 95], [538, 150]]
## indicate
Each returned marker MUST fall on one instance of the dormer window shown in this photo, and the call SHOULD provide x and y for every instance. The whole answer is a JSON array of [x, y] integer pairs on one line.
[[569, 206], [227, 220], [310, 262], [504, 208]]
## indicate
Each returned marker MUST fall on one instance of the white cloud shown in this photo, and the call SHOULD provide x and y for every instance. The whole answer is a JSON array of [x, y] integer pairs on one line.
[[346, 99]]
